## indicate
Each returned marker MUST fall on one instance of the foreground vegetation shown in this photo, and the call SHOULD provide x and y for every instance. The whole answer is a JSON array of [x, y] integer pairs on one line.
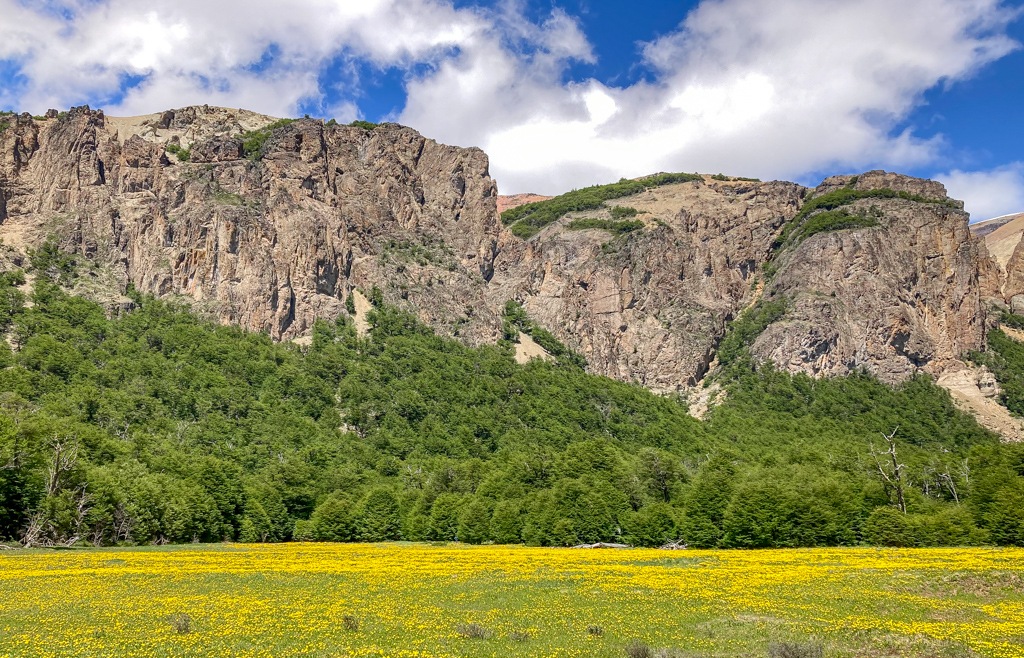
[[157, 427], [417, 600]]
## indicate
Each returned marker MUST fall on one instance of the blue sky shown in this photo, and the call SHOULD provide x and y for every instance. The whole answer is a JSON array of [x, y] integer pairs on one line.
[[566, 94]]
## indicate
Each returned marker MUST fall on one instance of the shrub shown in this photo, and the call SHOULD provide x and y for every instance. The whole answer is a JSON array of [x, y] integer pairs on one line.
[[253, 141], [181, 623], [834, 220], [365, 125], [652, 525], [595, 631], [519, 636], [183, 155], [350, 623], [622, 212], [608, 225], [887, 526], [474, 631], [638, 649], [795, 650], [526, 220]]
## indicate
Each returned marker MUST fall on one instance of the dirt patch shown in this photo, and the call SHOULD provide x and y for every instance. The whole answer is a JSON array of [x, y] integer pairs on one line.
[[505, 202], [1015, 334], [527, 348], [967, 394], [363, 306]]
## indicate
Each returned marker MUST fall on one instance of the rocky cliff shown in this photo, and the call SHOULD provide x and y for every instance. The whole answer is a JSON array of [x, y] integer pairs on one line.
[[274, 228]]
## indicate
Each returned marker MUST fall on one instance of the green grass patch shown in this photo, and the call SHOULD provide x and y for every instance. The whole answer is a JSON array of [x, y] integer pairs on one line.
[[183, 154], [834, 220], [254, 140], [606, 224], [526, 220]]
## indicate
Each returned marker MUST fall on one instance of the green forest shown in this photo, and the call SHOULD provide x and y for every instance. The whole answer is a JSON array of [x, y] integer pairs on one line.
[[158, 427]]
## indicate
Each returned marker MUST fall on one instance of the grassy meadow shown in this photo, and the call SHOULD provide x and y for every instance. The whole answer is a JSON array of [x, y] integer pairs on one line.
[[427, 600]]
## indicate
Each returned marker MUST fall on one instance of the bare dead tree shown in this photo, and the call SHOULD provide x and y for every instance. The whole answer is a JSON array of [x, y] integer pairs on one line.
[[891, 470], [42, 530], [947, 479], [63, 459]]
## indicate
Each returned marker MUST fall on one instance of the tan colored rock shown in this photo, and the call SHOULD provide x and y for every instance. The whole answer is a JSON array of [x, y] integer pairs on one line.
[[902, 297], [329, 211], [271, 245], [650, 306]]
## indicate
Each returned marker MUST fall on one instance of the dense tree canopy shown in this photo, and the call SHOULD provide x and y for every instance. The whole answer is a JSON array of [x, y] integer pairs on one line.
[[156, 426]]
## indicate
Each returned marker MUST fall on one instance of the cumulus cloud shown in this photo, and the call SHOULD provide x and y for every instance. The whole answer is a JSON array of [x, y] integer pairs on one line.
[[772, 89], [747, 87], [988, 194], [263, 55]]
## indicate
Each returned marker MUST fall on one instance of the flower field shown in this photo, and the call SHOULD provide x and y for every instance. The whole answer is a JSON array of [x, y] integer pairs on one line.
[[416, 600]]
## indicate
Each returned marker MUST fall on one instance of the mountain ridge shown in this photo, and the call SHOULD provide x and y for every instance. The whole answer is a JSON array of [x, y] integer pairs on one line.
[[271, 237]]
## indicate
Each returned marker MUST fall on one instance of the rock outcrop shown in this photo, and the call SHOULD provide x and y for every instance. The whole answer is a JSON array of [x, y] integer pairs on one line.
[[903, 296], [282, 237], [270, 244]]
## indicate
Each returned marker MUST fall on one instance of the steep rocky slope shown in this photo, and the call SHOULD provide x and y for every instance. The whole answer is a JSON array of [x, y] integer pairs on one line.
[[270, 243], [276, 235]]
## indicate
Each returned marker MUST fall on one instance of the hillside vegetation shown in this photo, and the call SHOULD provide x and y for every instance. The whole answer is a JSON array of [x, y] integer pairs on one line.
[[528, 219], [158, 427]]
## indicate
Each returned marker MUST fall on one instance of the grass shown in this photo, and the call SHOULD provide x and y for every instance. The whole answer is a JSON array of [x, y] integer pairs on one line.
[[293, 600]]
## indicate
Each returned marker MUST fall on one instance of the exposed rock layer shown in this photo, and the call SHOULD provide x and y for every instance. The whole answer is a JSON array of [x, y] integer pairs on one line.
[[274, 243]]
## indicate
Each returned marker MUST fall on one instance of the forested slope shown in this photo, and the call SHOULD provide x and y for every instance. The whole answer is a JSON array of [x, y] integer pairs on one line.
[[155, 426]]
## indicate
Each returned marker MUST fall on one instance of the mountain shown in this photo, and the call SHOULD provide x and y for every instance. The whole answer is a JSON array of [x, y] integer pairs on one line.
[[220, 325], [270, 224]]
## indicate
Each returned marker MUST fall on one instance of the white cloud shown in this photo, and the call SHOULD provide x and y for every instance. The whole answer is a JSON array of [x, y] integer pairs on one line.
[[202, 51], [748, 87], [988, 194], [771, 89]]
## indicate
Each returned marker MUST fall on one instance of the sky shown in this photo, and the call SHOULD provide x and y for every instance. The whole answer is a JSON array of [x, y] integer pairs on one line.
[[573, 93]]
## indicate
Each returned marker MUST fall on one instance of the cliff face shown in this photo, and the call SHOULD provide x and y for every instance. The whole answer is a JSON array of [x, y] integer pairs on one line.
[[651, 306], [270, 245], [274, 242], [902, 296]]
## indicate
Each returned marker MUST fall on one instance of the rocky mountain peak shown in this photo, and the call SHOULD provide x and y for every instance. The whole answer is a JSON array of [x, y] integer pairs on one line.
[[272, 224]]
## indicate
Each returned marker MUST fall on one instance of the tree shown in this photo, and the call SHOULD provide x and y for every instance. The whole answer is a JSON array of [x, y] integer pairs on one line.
[[653, 525], [891, 471], [332, 520], [379, 516], [475, 522], [706, 503], [444, 517], [760, 515], [1005, 516], [507, 523]]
